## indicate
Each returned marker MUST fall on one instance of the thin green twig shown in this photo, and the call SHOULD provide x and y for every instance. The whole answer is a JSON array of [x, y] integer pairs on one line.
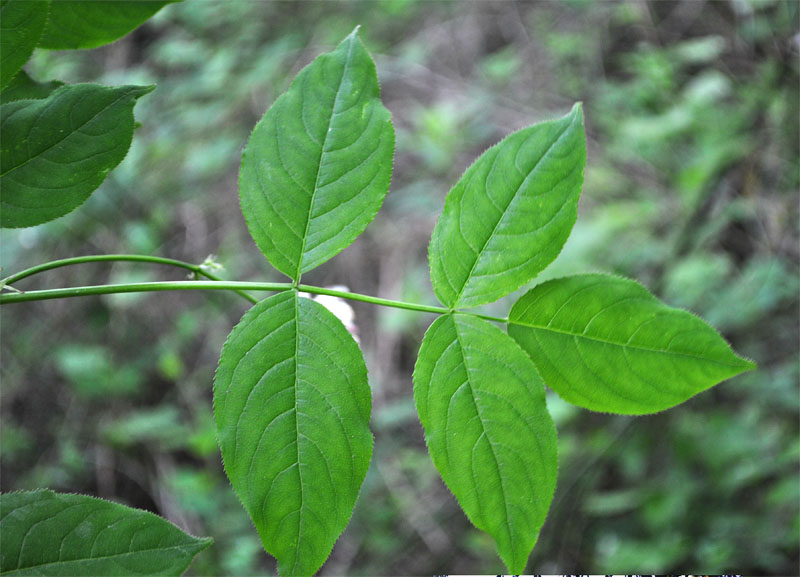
[[194, 268], [236, 286]]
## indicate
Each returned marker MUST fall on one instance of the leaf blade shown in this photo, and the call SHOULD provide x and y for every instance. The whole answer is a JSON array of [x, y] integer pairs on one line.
[[21, 26], [327, 136], [76, 24], [55, 152], [510, 213], [296, 460], [48, 533], [23, 87], [481, 401], [626, 351]]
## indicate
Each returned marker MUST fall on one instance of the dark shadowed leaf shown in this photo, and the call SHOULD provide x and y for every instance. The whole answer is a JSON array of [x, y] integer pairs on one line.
[[24, 87], [77, 24], [55, 152], [57, 534], [21, 26]]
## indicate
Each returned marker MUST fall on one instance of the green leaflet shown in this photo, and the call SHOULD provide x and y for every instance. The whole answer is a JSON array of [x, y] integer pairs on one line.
[[21, 25], [55, 152], [24, 87], [605, 343], [77, 24], [488, 431], [47, 533], [292, 405], [318, 164], [510, 214]]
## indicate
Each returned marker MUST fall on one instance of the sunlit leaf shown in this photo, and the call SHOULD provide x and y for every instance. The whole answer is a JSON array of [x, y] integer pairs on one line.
[[21, 26], [47, 533], [292, 406], [55, 152], [510, 214], [77, 24], [488, 431], [605, 343], [318, 164]]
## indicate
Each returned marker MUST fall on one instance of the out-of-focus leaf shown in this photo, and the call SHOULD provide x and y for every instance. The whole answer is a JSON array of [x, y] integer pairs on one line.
[[77, 24], [47, 533], [21, 26], [55, 152], [24, 87]]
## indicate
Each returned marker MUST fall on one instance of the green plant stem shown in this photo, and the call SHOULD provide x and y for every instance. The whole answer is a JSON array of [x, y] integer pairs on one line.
[[236, 286], [194, 268]]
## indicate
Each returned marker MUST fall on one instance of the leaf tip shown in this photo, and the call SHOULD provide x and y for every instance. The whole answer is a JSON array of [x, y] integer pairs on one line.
[[145, 90], [577, 111], [747, 364]]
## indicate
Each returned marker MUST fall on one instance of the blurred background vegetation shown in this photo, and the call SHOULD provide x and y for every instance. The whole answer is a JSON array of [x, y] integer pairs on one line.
[[691, 187]]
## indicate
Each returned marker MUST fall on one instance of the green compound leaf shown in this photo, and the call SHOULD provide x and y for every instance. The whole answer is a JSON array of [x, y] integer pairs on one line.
[[292, 406], [21, 26], [48, 533], [55, 152], [488, 431], [317, 167], [24, 87], [606, 344], [75, 24], [510, 214]]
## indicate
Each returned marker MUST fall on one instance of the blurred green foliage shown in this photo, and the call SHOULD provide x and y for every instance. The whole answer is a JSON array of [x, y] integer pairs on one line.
[[691, 187]]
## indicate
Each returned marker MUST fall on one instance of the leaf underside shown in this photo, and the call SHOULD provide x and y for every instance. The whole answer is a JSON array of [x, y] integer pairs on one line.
[[55, 152], [76, 24], [317, 167], [482, 405], [292, 406], [510, 214], [47, 533], [21, 25], [606, 344]]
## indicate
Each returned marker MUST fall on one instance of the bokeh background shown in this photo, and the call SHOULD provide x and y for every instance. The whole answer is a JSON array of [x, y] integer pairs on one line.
[[691, 187]]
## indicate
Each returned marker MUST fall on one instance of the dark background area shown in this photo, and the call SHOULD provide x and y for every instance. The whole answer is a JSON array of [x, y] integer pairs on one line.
[[691, 187]]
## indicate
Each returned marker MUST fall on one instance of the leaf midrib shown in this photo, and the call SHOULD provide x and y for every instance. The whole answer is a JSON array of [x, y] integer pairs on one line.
[[507, 524], [625, 345], [505, 211], [300, 259], [62, 139], [296, 299]]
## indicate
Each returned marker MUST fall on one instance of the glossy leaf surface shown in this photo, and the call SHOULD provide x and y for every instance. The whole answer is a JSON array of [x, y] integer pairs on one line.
[[605, 343], [318, 164], [510, 214], [24, 87], [77, 24], [47, 533], [292, 406], [21, 26], [55, 152], [488, 431]]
